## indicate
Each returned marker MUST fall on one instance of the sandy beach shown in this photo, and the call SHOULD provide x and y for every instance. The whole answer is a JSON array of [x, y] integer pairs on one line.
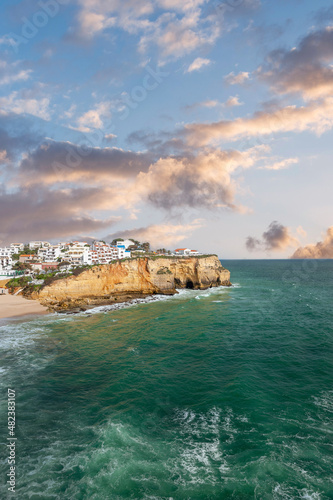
[[16, 305]]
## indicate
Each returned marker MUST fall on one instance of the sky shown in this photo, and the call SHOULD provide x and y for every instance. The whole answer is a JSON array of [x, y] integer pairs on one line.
[[201, 124]]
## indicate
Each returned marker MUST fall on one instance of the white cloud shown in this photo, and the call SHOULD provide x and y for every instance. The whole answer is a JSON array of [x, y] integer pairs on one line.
[[197, 64], [239, 79], [280, 165], [178, 29], [205, 180], [9, 73], [92, 23], [7, 40], [35, 107], [210, 104], [94, 117], [321, 250], [232, 102], [110, 137], [316, 117], [70, 112]]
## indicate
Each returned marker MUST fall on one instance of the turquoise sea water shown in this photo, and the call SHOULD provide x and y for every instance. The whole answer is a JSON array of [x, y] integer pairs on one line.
[[217, 394]]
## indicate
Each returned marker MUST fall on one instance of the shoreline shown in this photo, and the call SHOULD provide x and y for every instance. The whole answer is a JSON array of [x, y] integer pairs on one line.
[[16, 306], [116, 306], [135, 299]]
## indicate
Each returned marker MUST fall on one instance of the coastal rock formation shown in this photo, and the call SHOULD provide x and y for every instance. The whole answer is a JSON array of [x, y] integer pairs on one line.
[[134, 278]]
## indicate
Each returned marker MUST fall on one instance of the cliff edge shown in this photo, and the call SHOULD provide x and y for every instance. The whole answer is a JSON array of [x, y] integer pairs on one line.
[[133, 278]]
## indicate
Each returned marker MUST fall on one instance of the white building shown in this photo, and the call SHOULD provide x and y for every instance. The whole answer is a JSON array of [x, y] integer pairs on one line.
[[186, 252], [6, 260], [78, 253], [49, 254], [17, 247], [125, 243], [122, 252], [39, 244], [103, 253], [182, 251]]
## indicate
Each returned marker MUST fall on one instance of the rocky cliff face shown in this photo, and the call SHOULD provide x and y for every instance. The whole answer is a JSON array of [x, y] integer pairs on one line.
[[121, 281]]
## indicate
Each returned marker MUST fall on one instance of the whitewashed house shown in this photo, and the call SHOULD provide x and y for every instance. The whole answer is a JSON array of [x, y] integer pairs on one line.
[[6, 261], [17, 247], [33, 245], [78, 253], [182, 251], [122, 252], [186, 252], [49, 254], [102, 253]]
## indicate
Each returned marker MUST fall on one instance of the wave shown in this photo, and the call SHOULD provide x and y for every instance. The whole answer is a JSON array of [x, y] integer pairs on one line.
[[183, 294], [324, 401]]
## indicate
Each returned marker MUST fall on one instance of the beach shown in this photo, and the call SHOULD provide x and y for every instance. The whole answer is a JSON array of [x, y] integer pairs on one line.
[[16, 305]]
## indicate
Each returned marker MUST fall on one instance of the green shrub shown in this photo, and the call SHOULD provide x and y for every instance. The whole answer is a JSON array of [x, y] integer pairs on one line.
[[164, 270]]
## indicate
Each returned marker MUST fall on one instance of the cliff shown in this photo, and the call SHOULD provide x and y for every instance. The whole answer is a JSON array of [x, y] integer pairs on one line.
[[125, 280]]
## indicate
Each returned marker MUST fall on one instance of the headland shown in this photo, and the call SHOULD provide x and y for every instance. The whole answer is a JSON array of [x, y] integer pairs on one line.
[[128, 279]]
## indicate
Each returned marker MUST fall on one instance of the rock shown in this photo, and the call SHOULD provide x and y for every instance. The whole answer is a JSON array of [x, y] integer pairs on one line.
[[132, 279]]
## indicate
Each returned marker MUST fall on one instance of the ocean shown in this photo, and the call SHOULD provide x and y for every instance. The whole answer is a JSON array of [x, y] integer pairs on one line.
[[218, 394]]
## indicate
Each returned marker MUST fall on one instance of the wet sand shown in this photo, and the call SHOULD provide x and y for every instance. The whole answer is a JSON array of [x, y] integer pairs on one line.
[[16, 305]]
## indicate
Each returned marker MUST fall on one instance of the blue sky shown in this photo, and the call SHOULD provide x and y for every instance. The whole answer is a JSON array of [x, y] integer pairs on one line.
[[203, 123]]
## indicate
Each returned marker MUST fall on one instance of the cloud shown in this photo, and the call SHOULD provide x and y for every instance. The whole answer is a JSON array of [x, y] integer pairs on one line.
[[160, 235], [110, 137], [36, 107], [197, 64], [276, 239], [92, 23], [232, 102], [239, 79], [253, 244], [169, 183], [10, 73], [236, 8], [186, 5], [306, 69], [94, 117], [202, 181], [70, 112], [17, 135], [95, 16], [301, 231], [7, 40], [176, 38], [321, 250], [210, 103], [113, 179], [3, 156], [40, 212], [316, 117], [280, 165], [64, 162], [175, 28]]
